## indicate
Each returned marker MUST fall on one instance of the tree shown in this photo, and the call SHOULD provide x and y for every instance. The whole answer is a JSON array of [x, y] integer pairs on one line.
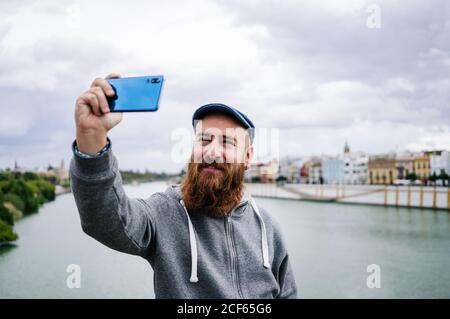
[[26, 192], [43, 188], [15, 200], [280, 180], [6, 232], [411, 176], [30, 176], [444, 177], [433, 177], [256, 179], [5, 215]]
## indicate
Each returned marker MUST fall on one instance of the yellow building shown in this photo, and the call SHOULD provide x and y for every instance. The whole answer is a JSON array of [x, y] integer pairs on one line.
[[405, 165], [422, 166], [382, 170], [269, 172]]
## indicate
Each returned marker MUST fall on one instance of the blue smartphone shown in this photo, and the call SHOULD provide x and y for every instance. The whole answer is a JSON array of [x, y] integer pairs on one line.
[[136, 94]]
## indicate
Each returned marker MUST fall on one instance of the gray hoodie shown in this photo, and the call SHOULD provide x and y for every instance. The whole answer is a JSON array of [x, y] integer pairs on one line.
[[241, 255]]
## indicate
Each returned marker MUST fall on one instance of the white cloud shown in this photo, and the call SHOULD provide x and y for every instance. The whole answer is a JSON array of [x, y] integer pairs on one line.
[[312, 69]]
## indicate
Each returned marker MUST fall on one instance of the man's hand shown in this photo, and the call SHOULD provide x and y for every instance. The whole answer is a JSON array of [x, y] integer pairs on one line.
[[92, 116]]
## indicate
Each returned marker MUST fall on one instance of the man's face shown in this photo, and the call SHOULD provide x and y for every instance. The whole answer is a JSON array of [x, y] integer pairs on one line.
[[221, 139], [215, 176]]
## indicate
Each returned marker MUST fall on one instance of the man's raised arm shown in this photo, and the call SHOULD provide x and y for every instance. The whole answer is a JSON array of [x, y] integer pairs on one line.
[[106, 213]]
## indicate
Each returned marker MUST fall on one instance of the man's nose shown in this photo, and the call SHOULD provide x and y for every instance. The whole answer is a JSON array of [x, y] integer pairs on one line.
[[214, 152]]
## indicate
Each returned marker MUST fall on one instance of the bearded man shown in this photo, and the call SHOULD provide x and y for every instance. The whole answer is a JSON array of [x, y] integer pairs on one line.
[[205, 238]]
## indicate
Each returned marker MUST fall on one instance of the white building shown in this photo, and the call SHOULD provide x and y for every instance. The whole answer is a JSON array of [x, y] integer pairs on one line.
[[356, 168], [440, 161]]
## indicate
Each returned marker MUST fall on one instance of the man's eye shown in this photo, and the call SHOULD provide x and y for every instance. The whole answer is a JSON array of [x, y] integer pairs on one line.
[[229, 142]]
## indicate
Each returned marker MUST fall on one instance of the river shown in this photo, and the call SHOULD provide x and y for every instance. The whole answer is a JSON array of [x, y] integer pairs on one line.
[[330, 245]]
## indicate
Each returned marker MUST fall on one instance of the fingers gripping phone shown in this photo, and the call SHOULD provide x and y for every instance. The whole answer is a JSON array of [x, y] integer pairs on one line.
[[136, 94]]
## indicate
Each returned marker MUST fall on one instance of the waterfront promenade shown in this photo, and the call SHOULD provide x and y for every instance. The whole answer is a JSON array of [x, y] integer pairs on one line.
[[387, 195]]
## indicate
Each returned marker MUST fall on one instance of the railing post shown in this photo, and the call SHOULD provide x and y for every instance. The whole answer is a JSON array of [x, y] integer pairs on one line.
[[396, 195], [421, 197], [448, 197], [409, 196], [385, 195], [434, 197]]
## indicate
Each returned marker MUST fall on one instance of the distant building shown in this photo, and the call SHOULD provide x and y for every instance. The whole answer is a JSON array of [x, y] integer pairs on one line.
[[346, 148], [404, 163], [422, 166], [440, 162], [315, 172], [347, 168], [291, 168], [304, 171], [356, 170], [332, 170], [262, 172], [252, 173], [18, 169], [269, 172], [61, 172], [382, 169]]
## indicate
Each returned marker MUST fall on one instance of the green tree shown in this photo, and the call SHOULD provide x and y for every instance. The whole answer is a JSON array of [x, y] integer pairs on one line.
[[52, 179], [6, 232], [433, 177], [5, 176], [411, 176], [26, 192], [30, 176], [444, 177], [5, 215], [43, 188], [256, 179], [15, 200], [66, 183]]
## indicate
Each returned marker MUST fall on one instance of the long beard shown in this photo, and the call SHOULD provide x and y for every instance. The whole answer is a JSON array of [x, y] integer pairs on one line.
[[213, 194]]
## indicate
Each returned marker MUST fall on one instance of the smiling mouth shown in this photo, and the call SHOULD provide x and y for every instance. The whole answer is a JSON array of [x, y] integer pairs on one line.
[[210, 169]]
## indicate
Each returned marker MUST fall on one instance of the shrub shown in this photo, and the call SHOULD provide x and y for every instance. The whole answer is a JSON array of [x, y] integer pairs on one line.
[[5, 215], [6, 232], [15, 200]]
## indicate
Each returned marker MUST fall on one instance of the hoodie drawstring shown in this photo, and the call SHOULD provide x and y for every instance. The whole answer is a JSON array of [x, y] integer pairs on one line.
[[193, 241], [193, 244], [264, 244]]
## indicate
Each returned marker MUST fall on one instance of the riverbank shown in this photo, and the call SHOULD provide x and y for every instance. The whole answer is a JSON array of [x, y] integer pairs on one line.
[[437, 198], [21, 194]]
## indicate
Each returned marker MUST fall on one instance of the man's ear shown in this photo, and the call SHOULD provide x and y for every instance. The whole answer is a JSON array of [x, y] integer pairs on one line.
[[248, 156]]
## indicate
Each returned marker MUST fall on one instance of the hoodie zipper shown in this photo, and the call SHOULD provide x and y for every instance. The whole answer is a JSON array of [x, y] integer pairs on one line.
[[231, 247]]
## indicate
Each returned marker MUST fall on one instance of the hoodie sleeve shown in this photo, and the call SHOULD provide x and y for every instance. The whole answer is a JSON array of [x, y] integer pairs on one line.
[[282, 264], [286, 280], [106, 213]]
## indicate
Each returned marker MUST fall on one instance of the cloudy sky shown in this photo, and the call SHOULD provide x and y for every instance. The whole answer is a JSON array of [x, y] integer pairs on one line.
[[321, 72]]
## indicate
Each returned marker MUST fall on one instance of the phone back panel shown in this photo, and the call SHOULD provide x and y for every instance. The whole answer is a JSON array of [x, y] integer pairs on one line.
[[136, 94]]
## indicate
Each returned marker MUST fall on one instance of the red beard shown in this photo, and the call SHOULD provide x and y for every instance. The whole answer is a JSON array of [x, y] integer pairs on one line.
[[213, 194]]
